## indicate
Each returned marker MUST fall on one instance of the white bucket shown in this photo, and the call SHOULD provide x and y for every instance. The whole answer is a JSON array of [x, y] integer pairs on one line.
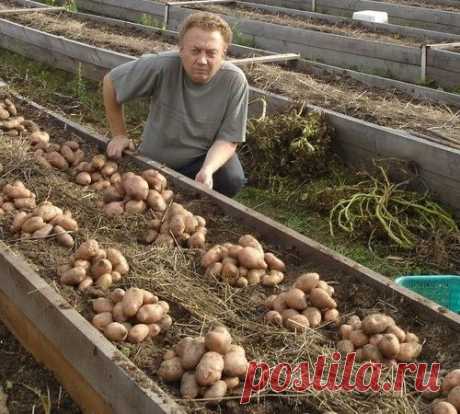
[[371, 16]]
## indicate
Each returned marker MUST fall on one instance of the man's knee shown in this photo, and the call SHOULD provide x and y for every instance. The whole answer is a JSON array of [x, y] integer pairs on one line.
[[230, 183]]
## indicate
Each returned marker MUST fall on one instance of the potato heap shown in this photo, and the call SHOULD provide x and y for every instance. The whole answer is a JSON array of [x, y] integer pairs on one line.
[[46, 220], [450, 389], [377, 338], [93, 265], [13, 125], [305, 305], [177, 224], [243, 264], [207, 366], [132, 193], [16, 197], [134, 315], [62, 157], [99, 173]]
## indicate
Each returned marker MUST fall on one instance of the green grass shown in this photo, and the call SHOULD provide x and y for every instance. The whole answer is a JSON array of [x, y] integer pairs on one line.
[[81, 100]]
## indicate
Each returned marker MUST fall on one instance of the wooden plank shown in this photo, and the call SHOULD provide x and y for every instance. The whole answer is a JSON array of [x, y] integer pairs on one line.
[[198, 2], [111, 382], [30, 10], [444, 45], [282, 57]]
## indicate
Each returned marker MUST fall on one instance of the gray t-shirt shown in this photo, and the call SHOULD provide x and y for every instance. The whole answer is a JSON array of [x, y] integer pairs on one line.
[[185, 118]]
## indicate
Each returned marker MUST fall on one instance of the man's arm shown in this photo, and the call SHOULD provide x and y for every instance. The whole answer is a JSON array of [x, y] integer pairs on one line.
[[115, 118], [218, 154]]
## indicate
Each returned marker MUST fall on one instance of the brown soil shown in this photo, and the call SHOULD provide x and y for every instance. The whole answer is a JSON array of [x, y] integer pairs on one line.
[[196, 301], [338, 93], [24, 381], [354, 30]]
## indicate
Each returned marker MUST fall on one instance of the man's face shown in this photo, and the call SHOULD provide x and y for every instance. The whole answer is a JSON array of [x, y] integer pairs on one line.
[[202, 54]]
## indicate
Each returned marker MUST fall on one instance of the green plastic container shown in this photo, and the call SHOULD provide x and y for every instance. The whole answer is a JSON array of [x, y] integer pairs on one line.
[[442, 289]]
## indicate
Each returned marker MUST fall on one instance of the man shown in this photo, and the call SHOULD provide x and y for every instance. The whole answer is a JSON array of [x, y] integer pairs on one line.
[[198, 108]]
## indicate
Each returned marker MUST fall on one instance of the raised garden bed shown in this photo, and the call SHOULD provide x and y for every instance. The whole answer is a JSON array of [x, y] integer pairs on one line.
[[195, 299]]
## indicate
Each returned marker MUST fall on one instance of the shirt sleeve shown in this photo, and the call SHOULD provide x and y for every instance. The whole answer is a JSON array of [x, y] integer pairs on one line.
[[233, 128], [136, 79]]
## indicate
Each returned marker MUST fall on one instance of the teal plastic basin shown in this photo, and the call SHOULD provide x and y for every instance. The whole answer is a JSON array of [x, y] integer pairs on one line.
[[442, 289]]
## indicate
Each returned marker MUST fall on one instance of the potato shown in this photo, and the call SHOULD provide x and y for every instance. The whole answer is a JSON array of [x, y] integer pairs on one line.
[[321, 300], [171, 370], [79, 156], [297, 323], [254, 276], [411, 337], [85, 283], [165, 323], [250, 241], [104, 281], [229, 273], [44, 232], [87, 250], [214, 270], [167, 196], [389, 346], [101, 267], [100, 185], [62, 237], [154, 330], [109, 168], [454, 397], [177, 225], [67, 153], [16, 190], [216, 392], [396, 330], [24, 203], [98, 161], [111, 194], [118, 314], [101, 320], [269, 301], [307, 282], [345, 346], [274, 318], [149, 298], [313, 315], [375, 339], [117, 295], [232, 382], [192, 353], [114, 209], [375, 323], [274, 263], [358, 338], [372, 353], [213, 255], [132, 301], [323, 285], [218, 340], [57, 160], [8, 206], [182, 345], [115, 332], [296, 299], [32, 224], [188, 386], [408, 351], [102, 305], [73, 276], [66, 222], [209, 369], [235, 364], [332, 315], [155, 201], [135, 186], [443, 407], [197, 240], [135, 206], [273, 278], [451, 380], [19, 220], [47, 211], [251, 258], [150, 313], [138, 333], [170, 354], [279, 304]]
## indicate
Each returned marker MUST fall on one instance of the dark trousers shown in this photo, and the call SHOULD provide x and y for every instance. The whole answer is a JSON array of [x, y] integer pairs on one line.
[[228, 179]]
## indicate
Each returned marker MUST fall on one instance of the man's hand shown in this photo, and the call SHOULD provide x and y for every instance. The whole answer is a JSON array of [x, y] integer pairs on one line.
[[116, 147], [204, 176]]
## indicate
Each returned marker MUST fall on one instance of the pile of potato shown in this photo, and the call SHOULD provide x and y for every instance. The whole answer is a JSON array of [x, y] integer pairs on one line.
[[243, 264], [207, 366], [62, 157], [91, 264], [177, 224], [46, 220], [13, 125], [99, 173], [377, 338], [16, 196], [450, 389], [134, 315], [132, 193], [305, 305]]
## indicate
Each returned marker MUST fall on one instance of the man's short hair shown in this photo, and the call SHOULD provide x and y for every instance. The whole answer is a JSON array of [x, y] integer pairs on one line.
[[209, 22]]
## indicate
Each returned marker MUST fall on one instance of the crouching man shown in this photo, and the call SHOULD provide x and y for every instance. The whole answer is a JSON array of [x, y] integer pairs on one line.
[[198, 105]]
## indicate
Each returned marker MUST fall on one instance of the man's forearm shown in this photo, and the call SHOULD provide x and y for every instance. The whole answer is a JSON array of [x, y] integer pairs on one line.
[[113, 110], [219, 153]]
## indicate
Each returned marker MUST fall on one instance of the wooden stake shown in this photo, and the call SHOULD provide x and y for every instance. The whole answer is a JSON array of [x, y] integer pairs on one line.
[[30, 10]]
